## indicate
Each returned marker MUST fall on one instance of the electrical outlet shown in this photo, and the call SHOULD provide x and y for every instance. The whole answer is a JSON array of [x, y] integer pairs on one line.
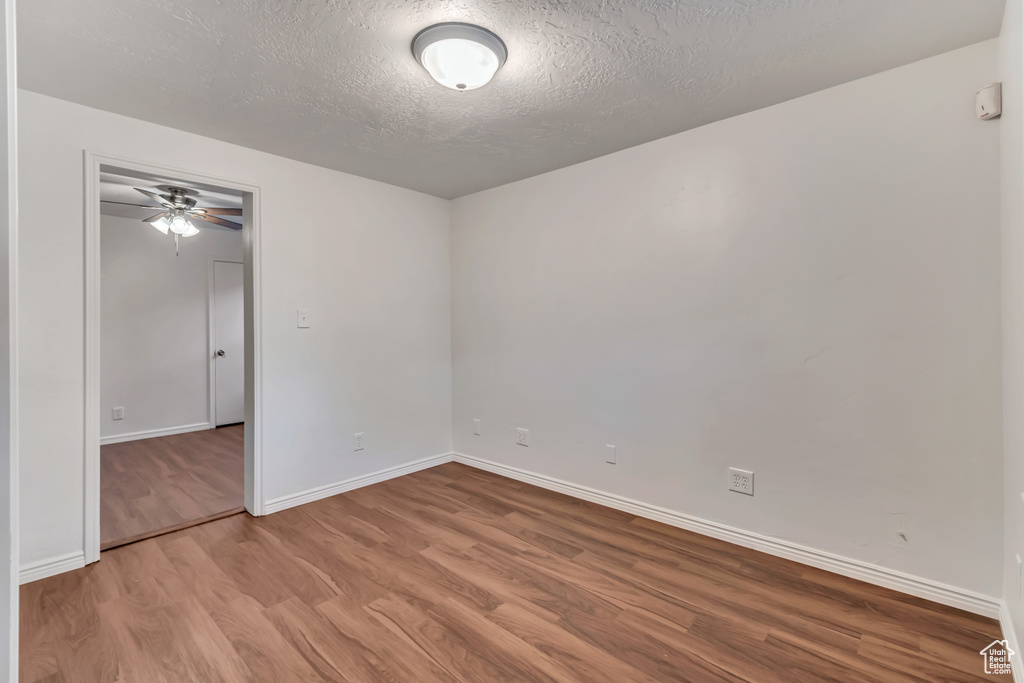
[[118, 413], [522, 437], [357, 441], [609, 456], [741, 481], [477, 427], [302, 318]]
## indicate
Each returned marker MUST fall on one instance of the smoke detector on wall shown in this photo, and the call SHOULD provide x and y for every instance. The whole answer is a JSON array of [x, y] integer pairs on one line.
[[988, 103]]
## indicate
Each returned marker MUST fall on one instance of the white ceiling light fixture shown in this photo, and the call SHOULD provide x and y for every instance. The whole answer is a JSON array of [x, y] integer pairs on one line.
[[179, 224], [160, 223], [459, 56]]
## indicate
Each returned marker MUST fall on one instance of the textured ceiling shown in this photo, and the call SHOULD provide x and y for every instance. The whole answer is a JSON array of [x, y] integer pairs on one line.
[[333, 82]]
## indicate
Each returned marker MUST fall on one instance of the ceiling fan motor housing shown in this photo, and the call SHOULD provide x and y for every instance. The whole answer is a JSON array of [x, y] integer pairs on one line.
[[179, 197]]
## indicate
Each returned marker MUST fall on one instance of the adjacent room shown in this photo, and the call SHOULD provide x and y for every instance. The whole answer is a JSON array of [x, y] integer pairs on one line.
[[172, 340], [599, 340]]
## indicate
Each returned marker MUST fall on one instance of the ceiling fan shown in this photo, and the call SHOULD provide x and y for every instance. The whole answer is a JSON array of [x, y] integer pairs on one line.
[[179, 210]]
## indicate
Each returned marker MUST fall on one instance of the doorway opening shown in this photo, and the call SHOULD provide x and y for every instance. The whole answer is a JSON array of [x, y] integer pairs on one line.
[[172, 380]]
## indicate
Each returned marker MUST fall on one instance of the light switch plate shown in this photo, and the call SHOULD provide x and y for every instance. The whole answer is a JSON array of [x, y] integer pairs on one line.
[[302, 319]]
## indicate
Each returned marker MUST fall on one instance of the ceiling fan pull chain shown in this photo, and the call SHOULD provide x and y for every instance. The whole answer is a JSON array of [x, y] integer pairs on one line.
[[175, 244]]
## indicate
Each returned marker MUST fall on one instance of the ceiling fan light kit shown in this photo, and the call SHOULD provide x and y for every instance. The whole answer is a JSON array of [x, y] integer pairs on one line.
[[159, 222], [180, 225], [459, 56], [179, 211]]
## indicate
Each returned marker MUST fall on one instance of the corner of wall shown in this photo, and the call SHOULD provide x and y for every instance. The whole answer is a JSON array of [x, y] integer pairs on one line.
[[1011, 65]]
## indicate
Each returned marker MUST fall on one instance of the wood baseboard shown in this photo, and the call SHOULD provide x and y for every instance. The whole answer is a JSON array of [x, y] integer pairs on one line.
[[870, 573], [308, 496], [41, 569], [154, 433], [880, 576], [1010, 635]]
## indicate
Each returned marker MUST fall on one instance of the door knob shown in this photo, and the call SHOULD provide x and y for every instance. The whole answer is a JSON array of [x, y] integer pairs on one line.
[[220, 352]]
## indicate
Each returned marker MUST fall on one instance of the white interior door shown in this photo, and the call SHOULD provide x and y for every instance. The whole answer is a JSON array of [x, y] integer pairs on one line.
[[228, 343]]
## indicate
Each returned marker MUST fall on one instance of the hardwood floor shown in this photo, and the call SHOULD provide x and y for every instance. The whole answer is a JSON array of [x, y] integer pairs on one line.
[[151, 486], [453, 574]]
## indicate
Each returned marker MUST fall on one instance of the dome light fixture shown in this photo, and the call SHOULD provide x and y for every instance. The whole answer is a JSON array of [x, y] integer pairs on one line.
[[459, 56]]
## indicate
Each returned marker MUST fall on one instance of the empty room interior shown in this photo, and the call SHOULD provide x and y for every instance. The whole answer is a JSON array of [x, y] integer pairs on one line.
[[172, 347], [589, 340]]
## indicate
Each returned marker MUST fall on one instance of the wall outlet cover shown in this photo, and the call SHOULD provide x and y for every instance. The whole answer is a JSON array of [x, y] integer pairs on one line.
[[610, 456], [522, 437], [741, 481], [357, 441], [118, 413], [477, 427]]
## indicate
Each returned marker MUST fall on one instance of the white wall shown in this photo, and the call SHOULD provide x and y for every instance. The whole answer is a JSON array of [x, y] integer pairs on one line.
[[1011, 73], [809, 291], [154, 325], [370, 261]]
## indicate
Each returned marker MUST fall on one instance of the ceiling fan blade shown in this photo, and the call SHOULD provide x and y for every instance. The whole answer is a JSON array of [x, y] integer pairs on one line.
[[221, 212], [216, 221], [154, 219], [141, 206], [155, 197]]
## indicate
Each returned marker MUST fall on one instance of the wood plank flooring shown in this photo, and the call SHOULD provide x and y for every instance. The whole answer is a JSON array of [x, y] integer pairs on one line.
[[150, 486], [453, 574]]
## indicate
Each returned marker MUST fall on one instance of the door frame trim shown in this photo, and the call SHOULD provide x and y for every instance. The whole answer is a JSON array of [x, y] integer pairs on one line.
[[211, 375], [251, 238]]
